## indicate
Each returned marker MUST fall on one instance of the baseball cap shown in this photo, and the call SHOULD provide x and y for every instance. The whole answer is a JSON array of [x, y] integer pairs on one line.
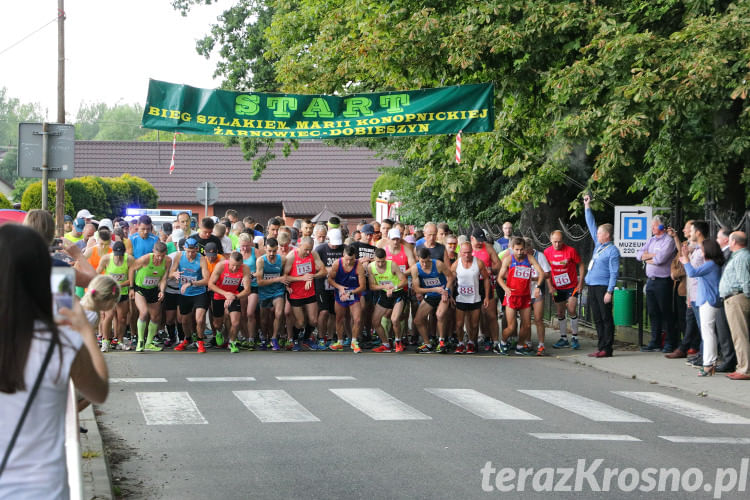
[[367, 229], [210, 248], [107, 223], [394, 233], [118, 248], [167, 228], [410, 239], [79, 224], [334, 237], [85, 214], [478, 234], [177, 235], [68, 218], [191, 243]]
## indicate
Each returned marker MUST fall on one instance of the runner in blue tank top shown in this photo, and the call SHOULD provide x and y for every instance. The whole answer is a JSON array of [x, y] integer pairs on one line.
[[190, 269], [271, 287], [347, 277], [433, 279]]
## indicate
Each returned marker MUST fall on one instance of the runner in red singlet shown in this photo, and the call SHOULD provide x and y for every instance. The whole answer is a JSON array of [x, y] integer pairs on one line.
[[302, 266], [230, 282], [565, 281]]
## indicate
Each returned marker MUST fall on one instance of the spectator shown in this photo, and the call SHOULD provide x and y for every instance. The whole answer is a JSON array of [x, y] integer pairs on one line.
[[734, 289], [34, 348], [708, 299], [726, 346]]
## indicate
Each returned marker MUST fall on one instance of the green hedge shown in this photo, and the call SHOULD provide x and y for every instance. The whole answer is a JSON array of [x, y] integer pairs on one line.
[[102, 196], [4, 203]]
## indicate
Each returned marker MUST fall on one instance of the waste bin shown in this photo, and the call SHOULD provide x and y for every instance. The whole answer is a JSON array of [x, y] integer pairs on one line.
[[623, 305]]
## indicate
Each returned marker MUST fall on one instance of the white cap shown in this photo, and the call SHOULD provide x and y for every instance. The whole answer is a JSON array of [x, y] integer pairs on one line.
[[177, 235], [258, 239], [84, 214], [335, 237], [394, 233], [107, 223]]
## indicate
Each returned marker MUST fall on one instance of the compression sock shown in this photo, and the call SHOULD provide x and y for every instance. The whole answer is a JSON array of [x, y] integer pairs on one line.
[[141, 330], [563, 326], [152, 327], [574, 326]]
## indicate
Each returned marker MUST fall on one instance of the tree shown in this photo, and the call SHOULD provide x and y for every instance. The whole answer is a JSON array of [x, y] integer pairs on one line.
[[101, 122], [4, 203], [13, 112]]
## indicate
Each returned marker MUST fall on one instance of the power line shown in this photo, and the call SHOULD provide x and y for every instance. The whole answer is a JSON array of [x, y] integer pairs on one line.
[[30, 34]]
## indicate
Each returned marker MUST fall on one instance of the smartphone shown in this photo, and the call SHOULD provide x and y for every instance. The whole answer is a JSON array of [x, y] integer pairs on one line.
[[63, 284]]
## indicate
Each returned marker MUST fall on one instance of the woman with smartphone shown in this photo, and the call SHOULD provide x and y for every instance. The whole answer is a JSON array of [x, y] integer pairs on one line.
[[38, 355]]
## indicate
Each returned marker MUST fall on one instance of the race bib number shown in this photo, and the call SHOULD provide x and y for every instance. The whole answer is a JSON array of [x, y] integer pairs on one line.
[[403, 268], [229, 281], [270, 276], [150, 281], [466, 290], [534, 274], [185, 279], [327, 286], [431, 282], [386, 283], [304, 268], [561, 280], [522, 272], [119, 278]]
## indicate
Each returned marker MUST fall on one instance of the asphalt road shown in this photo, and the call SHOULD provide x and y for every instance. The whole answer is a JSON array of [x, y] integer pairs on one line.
[[392, 429]]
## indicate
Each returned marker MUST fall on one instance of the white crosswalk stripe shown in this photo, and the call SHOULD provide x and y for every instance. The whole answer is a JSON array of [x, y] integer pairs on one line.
[[169, 408], [379, 405], [136, 380], [588, 408], [706, 440], [275, 406], [686, 408], [584, 437], [482, 405], [220, 379]]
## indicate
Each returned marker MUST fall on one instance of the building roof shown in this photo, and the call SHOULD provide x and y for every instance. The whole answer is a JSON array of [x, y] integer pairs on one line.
[[311, 177]]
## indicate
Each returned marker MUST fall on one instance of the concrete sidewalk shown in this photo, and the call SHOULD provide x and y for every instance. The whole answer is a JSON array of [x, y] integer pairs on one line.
[[96, 479], [628, 361]]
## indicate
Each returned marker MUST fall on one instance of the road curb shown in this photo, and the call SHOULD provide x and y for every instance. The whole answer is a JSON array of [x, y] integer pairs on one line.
[[97, 482]]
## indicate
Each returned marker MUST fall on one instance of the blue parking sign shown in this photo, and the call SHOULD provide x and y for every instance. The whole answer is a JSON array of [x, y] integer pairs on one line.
[[632, 229], [635, 228]]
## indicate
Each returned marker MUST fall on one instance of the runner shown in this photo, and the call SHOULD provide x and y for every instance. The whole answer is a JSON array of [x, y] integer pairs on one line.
[[564, 282], [469, 272], [366, 255], [249, 303], [486, 253], [302, 267], [329, 253], [149, 274], [213, 257], [518, 266], [271, 289], [433, 279], [537, 303], [230, 282], [347, 277], [190, 268], [116, 265], [387, 285], [103, 247], [172, 317]]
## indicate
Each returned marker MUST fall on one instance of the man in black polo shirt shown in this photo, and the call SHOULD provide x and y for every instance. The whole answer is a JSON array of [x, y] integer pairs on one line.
[[204, 236]]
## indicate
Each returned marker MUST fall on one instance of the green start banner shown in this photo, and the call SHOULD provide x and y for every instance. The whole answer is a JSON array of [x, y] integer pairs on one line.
[[447, 110]]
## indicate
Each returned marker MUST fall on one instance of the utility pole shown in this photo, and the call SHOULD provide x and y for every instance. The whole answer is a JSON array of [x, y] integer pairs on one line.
[[60, 183]]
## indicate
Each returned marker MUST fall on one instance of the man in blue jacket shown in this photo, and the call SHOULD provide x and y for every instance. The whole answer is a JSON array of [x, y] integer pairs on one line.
[[601, 278]]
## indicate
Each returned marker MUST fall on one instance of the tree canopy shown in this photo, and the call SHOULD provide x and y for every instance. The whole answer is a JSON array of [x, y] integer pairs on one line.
[[632, 100]]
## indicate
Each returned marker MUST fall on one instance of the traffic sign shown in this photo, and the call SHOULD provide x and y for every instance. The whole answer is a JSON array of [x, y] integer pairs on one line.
[[632, 229], [60, 150], [207, 193]]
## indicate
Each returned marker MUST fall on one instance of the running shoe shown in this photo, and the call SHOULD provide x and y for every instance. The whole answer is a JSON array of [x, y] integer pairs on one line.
[[113, 344], [296, 347], [496, 348], [470, 348], [105, 345], [399, 346], [201, 346], [460, 349], [262, 345], [139, 347], [540, 351], [522, 351], [124, 346], [375, 341], [233, 347], [338, 346], [275, 345], [382, 348], [167, 342], [563, 342], [441, 347], [505, 349], [574, 343], [347, 342], [355, 347], [219, 339], [487, 346], [181, 346], [425, 349], [151, 347], [322, 345]]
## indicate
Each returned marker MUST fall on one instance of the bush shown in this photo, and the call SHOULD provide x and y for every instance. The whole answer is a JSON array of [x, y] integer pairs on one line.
[[102, 196], [4, 203]]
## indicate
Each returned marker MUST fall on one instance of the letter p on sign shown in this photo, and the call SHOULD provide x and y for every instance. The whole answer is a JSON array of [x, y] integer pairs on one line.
[[635, 228]]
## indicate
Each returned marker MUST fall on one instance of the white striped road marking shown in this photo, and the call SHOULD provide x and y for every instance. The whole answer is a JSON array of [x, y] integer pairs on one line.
[[585, 437], [169, 408], [379, 405], [275, 406], [686, 408], [314, 378], [482, 405], [135, 380], [706, 440], [593, 410], [220, 379]]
